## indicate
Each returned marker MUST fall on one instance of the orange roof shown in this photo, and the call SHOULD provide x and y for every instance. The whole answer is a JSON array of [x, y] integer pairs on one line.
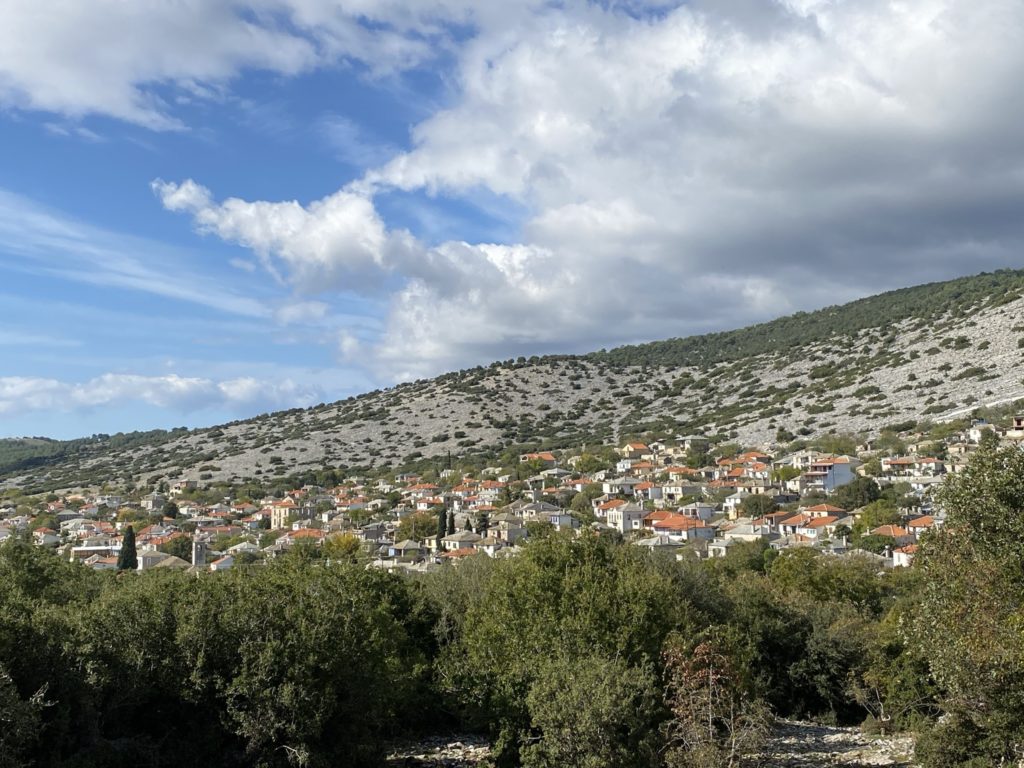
[[611, 504], [658, 514], [820, 522], [462, 552], [922, 522], [544, 456], [893, 531], [679, 523], [643, 486], [307, 533], [909, 549], [825, 508], [797, 520]]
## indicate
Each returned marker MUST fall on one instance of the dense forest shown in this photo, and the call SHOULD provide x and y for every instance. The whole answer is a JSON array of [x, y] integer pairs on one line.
[[578, 652]]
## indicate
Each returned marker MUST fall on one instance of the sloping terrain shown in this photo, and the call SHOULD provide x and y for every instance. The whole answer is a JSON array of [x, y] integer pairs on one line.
[[929, 352]]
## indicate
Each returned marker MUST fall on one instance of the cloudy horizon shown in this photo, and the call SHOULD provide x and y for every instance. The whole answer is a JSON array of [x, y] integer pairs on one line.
[[211, 210]]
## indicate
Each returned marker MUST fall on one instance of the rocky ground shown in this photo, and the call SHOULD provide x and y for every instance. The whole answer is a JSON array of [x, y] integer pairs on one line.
[[794, 745], [441, 752], [808, 745]]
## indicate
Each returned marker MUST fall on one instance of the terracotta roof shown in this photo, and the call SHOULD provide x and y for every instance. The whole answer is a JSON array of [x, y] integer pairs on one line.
[[679, 523], [824, 508]]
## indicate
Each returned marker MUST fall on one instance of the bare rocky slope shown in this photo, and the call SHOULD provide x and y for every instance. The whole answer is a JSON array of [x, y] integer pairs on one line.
[[931, 352]]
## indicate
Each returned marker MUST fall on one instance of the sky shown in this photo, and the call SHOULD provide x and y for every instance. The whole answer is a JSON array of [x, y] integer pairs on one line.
[[214, 209]]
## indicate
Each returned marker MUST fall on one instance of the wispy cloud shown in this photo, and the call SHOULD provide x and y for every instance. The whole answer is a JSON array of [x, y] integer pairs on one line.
[[23, 338], [48, 243], [352, 144]]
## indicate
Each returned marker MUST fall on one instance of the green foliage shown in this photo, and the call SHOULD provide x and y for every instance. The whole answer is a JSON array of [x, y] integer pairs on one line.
[[592, 712], [875, 514], [758, 504], [563, 598], [179, 546], [970, 616], [419, 526], [860, 492]]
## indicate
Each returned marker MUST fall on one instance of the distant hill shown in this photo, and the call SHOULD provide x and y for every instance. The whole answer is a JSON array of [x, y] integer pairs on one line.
[[933, 351]]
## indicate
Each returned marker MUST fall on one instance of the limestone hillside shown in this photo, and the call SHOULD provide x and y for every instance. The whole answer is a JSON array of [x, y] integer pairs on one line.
[[931, 352]]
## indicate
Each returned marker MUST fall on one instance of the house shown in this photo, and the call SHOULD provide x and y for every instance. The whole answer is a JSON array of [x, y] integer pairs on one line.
[[732, 503], [827, 474], [460, 540], [903, 556], [657, 542], [406, 549], [46, 537], [819, 528], [919, 525], [824, 510], [626, 517], [281, 513], [489, 545], [901, 535], [695, 443], [682, 528], [647, 491], [223, 564], [545, 458], [699, 510], [154, 502], [507, 528], [620, 486], [635, 451]]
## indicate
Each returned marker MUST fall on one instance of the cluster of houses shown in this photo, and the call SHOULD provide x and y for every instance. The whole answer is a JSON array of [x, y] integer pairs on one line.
[[652, 495]]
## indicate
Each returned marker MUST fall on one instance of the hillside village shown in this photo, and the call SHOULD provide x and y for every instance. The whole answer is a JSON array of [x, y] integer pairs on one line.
[[685, 496]]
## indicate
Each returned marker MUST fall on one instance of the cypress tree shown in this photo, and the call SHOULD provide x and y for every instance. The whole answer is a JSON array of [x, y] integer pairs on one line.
[[451, 523], [127, 560]]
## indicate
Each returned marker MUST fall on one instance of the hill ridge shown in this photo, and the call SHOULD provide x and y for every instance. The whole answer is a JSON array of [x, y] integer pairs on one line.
[[933, 351]]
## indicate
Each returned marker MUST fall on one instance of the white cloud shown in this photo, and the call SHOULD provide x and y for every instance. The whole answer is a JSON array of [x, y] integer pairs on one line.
[[337, 242], [300, 312], [43, 241], [698, 168], [134, 60], [184, 394]]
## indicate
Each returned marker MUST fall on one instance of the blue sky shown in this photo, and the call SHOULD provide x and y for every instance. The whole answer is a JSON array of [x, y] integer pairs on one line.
[[208, 211]]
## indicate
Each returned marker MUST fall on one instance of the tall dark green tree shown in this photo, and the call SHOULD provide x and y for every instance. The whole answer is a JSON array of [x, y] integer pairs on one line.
[[128, 560], [451, 523]]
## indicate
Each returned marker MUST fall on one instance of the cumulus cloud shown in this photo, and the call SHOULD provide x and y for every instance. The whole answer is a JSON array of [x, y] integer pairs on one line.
[[699, 167], [337, 242], [185, 394]]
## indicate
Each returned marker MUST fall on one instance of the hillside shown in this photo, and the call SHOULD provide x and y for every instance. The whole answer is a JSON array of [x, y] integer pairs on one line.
[[930, 352]]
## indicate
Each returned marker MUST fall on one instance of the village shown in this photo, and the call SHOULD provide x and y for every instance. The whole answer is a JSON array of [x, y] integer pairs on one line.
[[681, 497]]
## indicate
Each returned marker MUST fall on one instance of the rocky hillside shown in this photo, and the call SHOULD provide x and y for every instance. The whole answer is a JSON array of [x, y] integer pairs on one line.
[[931, 352]]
